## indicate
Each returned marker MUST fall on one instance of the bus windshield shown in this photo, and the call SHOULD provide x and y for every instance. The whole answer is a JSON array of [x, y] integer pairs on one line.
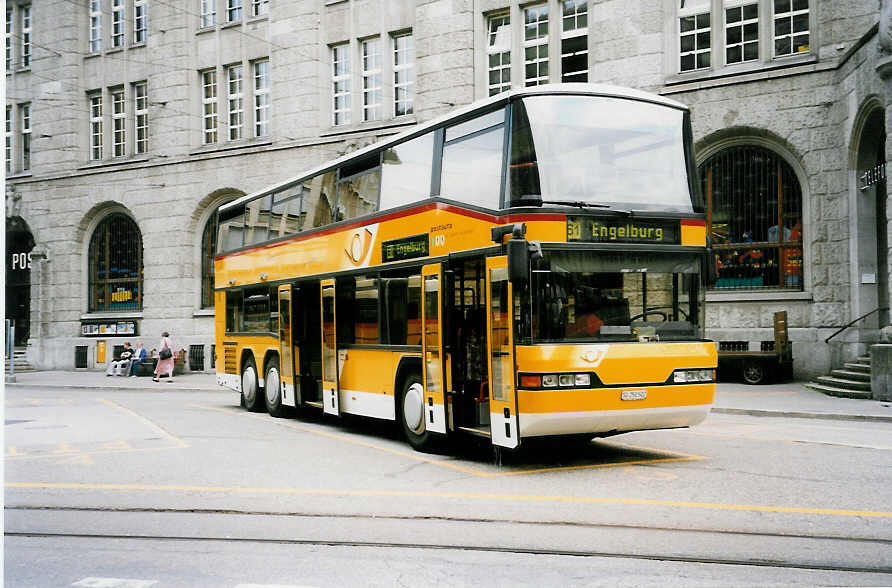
[[594, 296], [622, 153]]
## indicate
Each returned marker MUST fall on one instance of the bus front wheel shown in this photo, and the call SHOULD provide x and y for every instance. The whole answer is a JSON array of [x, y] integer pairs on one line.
[[754, 372], [273, 387], [411, 414], [250, 387]]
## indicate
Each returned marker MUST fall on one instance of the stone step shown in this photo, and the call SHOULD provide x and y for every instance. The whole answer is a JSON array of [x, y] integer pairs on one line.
[[851, 375], [840, 392], [843, 383], [858, 367], [864, 359]]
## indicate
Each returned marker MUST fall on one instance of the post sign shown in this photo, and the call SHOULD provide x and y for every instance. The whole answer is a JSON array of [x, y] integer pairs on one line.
[[406, 248]]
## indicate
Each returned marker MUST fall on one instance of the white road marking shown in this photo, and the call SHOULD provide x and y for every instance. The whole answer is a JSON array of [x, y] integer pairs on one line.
[[92, 582]]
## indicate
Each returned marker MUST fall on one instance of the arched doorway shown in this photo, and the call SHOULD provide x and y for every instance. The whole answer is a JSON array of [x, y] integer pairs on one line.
[[19, 243], [871, 231]]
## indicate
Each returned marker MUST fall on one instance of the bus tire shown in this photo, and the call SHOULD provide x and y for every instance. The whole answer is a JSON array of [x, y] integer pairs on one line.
[[273, 387], [753, 372], [251, 387], [411, 414]]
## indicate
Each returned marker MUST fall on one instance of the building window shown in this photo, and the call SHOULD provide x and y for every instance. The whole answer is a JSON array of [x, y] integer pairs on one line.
[[209, 105], [141, 110], [8, 139], [259, 7], [26, 35], [208, 13], [96, 127], [119, 123], [208, 250], [8, 39], [695, 30], [791, 27], [741, 33], [498, 54], [140, 21], [340, 84], [574, 41], [535, 44], [117, 23], [95, 26], [233, 10], [403, 75], [25, 135], [371, 79], [235, 76], [261, 98], [754, 219], [116, 270]]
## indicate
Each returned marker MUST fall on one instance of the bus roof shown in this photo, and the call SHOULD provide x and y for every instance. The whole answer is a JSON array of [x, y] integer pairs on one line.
[[605, 90]]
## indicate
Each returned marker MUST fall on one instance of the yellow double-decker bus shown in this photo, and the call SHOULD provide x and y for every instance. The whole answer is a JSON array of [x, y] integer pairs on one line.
[[530, 265]]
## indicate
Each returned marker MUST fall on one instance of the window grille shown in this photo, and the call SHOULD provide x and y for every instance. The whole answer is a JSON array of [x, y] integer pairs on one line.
[[95, 26], [116, 269], [742, 33], [119, 123], [208, 247], [96, 127], [261, 98], [25, 110], [371, 79], [9, 14], [734, 345], [26, 35], [80, 356], [208, 13], [791, 27], [209, 105], [8, 139], [117, 23], [141, 107], [750, 192], [403, 75], [340, 84], [535, 43], [498, 54], [233, 10], [196, 358], [695, 31], [574, 41], [235, 73], [140, 21]]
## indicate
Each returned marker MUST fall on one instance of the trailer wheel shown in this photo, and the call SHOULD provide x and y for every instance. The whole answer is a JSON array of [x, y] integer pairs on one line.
[[273, 389], [753, 372], [251, 387]]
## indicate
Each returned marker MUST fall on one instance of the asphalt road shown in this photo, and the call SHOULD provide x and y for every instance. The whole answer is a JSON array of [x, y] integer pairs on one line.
[[112, 488]]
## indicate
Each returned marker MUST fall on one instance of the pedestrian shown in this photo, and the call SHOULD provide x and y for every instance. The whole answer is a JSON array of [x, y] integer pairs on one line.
[[122, 365], [138, 357], [165, 358]]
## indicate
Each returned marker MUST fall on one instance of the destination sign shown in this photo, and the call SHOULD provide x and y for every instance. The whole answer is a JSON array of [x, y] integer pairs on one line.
[[405, 248], [600, 230]]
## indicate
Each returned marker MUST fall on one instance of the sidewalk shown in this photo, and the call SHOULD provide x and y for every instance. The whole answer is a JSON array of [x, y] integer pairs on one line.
[[790, 399]]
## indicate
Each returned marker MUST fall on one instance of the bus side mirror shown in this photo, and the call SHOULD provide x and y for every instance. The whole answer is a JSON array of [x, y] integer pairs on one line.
[[518, 261]]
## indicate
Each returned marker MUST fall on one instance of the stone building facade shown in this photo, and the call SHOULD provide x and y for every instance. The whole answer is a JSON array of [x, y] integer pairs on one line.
[[130, 121]]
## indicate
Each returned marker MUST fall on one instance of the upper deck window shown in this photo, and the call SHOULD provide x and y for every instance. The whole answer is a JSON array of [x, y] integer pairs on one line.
[[406, 172], [600, 150], [472, 160]]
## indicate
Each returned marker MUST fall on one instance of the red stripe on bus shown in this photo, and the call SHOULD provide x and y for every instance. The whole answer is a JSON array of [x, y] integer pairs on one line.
[[693, 222]]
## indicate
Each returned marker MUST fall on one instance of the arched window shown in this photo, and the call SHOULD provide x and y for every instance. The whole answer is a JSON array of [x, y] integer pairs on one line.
[[208, 249], [116, 265], [754, 216]]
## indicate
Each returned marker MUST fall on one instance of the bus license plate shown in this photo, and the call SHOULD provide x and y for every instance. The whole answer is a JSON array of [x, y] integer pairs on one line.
[[634, 394]]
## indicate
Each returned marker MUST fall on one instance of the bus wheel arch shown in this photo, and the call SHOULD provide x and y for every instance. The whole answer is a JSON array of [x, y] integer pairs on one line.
[[273, 386], [251, 390]]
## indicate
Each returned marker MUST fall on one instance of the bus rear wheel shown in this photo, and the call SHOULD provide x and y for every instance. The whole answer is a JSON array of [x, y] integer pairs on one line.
[[273, 387], [411, 414], [754, 372], [251, 387]]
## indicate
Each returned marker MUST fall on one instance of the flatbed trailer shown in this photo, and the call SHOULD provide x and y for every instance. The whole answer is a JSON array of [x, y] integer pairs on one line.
[[758, 362]]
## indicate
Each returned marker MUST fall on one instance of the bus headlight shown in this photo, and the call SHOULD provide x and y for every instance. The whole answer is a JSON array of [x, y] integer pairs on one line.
[[550, 381], [566, 380], [692, 376], [583, 379]]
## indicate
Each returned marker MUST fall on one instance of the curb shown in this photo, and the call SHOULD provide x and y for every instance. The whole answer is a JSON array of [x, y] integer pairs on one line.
[[113, 388], [805, 415]]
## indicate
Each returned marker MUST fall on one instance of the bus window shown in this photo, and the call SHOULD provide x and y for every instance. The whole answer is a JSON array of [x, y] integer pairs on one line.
[[257, 213], [472, 161], [320, 207], [366, 310], [288, 212], [345, 290], [230, 227], [256, 316], [358, 188], [233, 310], [413, 312], [403, 307], [406, 172]]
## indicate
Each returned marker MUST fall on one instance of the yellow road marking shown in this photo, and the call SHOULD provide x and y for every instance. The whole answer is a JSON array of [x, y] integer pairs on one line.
[[27, 457], [456, 495], [415, 456]]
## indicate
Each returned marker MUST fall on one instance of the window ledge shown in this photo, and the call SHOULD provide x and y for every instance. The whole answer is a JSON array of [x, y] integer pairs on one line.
[[114, 50], [20, 175], [93, 55], [124, 314], [403, 121], [19, 70], [725, 76], [333, 2], [207, 29], [138, 45], [758, 296], [203, 312], [258, 18], [115, 162], [231, 24], [241, 144]]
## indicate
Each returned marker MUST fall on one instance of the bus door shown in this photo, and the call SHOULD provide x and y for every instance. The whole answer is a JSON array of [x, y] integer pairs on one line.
[[290, 387], [330, 400], [502, 393], [432, 348]]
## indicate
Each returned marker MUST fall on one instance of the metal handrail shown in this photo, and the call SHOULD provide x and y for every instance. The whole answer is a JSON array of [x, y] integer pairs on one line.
[[827, 340]]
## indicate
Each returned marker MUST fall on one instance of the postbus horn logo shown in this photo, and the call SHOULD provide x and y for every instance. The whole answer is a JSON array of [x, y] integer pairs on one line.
[[359, 246]]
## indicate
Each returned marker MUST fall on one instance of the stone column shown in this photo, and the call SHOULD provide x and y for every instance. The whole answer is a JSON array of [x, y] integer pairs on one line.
[[881, 372]]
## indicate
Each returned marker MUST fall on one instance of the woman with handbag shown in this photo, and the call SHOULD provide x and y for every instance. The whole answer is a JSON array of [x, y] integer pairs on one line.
[[165, 359]]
